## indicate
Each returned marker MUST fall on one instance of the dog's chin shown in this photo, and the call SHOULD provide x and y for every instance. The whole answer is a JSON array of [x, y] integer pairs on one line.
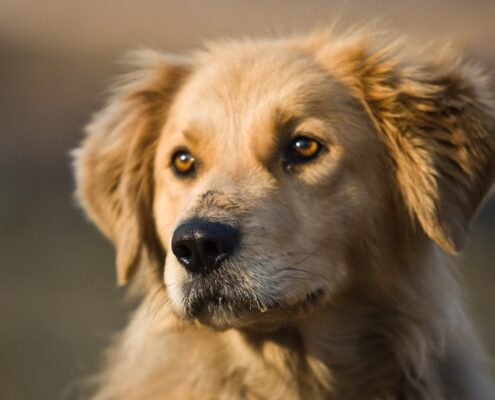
[[222, 312]]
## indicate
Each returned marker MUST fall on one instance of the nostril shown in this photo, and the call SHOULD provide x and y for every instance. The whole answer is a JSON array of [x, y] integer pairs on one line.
[[182, 251], [211, 249]]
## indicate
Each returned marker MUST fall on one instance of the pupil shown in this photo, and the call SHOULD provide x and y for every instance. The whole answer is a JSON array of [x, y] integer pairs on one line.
[[303, 144]]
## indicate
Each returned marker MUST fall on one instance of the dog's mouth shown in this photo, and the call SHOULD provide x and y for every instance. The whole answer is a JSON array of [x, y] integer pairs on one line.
[[224, 310]]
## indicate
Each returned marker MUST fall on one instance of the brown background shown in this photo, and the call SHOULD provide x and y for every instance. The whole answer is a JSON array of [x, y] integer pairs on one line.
[[58, 302]]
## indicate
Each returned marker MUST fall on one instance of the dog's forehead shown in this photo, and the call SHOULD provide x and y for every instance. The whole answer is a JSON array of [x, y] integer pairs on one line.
[[231, 91]]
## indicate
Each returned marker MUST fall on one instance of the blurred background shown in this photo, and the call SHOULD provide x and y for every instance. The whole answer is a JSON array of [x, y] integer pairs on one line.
[[58, 301]]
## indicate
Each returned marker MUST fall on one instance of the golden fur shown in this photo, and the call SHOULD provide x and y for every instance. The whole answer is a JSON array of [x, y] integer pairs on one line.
[[341, 289]]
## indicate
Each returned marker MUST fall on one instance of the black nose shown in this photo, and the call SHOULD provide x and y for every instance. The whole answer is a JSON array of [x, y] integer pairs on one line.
[[201, 245]]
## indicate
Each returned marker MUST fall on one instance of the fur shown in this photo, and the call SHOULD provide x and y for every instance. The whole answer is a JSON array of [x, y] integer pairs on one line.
[[342, 288]]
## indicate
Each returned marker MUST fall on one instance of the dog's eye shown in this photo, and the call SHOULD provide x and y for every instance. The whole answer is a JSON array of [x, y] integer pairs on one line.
[[183, 162], [303, 149]]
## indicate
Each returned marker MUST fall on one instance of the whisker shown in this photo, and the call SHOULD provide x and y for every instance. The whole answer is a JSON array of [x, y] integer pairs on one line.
[[160, 307], [157, 291]]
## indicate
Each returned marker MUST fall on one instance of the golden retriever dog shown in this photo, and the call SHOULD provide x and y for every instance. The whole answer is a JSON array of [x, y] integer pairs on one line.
[[284, 207]]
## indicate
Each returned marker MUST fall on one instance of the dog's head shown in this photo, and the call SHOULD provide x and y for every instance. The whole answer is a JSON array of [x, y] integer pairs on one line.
[[260, 175]]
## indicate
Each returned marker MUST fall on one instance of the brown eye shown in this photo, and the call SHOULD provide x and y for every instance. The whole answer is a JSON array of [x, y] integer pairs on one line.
[[303, 149], [183, 162]]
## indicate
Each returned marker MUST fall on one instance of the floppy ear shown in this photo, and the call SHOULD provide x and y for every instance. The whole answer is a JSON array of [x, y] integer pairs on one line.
[[438, 121], [114, 164]]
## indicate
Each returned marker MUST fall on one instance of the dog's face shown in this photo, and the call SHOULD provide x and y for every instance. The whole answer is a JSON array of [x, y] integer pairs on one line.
[[258, 174], [276, 161]]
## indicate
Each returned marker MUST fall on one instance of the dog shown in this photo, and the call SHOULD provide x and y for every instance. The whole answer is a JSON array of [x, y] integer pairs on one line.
[[285, 208]]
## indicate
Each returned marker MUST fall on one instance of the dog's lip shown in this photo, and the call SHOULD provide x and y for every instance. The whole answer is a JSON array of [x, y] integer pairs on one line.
[[202, 307]]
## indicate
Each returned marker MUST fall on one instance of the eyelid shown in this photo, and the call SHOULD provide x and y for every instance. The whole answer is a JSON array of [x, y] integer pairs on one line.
[[309, 134], [178, 149]]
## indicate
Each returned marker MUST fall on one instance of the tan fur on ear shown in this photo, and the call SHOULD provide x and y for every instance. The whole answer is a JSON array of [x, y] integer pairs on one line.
[[114, 162], [437, 119]]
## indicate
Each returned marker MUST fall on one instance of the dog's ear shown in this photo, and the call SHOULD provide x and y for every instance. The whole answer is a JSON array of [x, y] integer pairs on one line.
[[114, 164], [437, 119]]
